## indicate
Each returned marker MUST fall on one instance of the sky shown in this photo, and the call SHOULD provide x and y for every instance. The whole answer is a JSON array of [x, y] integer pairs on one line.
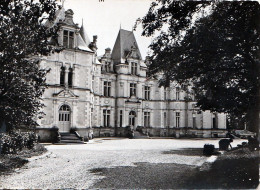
[[104, 19]]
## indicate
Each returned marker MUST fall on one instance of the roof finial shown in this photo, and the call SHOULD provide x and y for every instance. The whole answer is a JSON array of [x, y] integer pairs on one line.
[[120, 25], [82, 22]]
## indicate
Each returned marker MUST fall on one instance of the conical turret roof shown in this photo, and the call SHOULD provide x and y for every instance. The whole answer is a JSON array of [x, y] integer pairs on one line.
[[125, 41]]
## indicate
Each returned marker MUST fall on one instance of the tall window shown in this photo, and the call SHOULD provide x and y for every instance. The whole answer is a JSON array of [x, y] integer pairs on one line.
[[134, 68], [106, 118], [107, 69], [107, 88], [70, 75], [177, 93], [62, 76], [92, 83], [177, 119], [147, 119], [165, 93], [68, 39], [64, 113], [132, 89], [164, 119], [147, 93], [121, 118], [214, 123]]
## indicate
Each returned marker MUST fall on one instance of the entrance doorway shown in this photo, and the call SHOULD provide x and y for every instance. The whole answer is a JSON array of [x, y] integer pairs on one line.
[[132, 116], [64, 118]]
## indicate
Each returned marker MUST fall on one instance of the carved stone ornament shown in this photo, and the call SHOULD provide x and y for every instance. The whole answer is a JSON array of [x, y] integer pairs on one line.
[[65, 93], [68, 56]]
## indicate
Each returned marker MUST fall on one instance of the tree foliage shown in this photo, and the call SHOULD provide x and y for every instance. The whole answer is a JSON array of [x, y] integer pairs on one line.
[[23, 39], [218, 53]]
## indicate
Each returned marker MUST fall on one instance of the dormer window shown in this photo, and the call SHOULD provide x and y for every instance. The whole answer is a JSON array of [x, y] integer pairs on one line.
[[68, 39], [107, 66], [134, 68]]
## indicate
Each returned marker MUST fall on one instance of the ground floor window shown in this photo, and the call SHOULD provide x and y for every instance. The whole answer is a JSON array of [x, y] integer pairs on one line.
[[132, 118], [64, 113], [177, 119], [165, 119], [147, 119], [121, 118], [106, 118]]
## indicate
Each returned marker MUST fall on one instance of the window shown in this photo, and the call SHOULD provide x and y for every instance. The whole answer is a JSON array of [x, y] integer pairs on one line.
[[62, 76], [165, 119], [147, 119], [68, 39], [177, 93], [147, 93], [92, 83], [121, 118], [165, 93], [132, 89], [106, 118], [107, 88], [177, 119], [64, 113], [70, 75], [107, 69], [214, 123], [134, 69]]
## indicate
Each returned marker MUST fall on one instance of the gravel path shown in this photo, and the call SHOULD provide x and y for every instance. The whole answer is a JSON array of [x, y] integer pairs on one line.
[[70, 166]]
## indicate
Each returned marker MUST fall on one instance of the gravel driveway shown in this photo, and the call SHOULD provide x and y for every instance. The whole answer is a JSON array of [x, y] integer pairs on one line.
[[72, 166]]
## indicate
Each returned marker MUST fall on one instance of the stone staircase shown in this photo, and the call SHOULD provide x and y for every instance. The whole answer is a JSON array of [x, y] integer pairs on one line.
[[139, 135], [70, 138]]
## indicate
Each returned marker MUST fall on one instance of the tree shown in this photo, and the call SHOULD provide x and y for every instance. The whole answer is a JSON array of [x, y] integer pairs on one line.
[[24, 38], [212, 45]]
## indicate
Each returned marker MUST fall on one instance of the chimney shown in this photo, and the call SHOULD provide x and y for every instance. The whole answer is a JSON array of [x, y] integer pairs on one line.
[[93, 45], [107, 51]]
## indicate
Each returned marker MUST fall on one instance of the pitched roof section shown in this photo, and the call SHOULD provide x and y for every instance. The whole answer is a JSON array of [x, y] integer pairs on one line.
[[84, 35], [81, 44], [59, 15], [125, 41]]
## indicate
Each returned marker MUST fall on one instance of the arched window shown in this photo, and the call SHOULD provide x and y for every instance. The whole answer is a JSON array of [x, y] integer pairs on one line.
[[64, 113], [132, 116], [70, 75], [62, 76]]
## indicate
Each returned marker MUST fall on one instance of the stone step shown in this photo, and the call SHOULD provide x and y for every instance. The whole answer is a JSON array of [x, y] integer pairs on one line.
[[72, 141], [69, 138], [67, 134], [139, 135]]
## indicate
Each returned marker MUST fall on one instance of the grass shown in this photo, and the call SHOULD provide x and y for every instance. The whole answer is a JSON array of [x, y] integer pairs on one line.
[[10, 162], [236, 169]]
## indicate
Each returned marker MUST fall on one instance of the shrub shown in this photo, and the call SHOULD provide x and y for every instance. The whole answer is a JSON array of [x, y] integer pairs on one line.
[[15, 141]]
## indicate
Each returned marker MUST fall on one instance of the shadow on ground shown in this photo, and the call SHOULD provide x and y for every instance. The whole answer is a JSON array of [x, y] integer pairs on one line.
[[144, 175], [226, 173], [186, 152]]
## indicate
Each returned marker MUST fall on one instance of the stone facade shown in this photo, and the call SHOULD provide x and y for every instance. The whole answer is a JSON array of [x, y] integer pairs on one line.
[[109, 95]]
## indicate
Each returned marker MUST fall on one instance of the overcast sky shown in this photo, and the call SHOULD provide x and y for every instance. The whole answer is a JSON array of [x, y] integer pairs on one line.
[[104, 18]]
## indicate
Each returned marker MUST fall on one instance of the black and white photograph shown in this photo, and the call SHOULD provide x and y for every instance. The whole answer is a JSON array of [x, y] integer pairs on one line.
[[129, 94]]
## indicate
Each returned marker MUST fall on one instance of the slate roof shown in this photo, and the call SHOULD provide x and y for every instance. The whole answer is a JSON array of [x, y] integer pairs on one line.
[[84, 35], [124, 42], [82, 39], [59, 15]]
